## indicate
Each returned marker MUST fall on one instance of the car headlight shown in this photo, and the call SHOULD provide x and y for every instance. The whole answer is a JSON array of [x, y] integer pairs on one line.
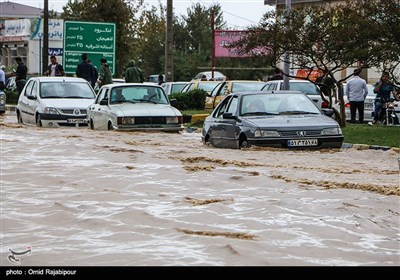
[[170, 120], [266, 133], [50, 110], [127, 120], [331, 131], [2, 96], [2, 102]]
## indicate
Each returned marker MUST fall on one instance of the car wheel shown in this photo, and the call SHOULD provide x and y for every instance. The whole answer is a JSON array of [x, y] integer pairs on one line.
[[91, 124], [207, 141], [243, 143], [38, 120], [110, 126], [19, 118]]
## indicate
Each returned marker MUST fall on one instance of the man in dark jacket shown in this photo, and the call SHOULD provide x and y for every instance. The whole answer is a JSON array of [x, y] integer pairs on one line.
[[133, 74], [105, 76], [20, 74], [85, 70]]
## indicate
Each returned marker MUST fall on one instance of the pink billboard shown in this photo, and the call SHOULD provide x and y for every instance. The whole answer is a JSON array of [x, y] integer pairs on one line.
[[223, 39]]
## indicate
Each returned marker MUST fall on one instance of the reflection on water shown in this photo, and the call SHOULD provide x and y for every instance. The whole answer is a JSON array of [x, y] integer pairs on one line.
[[82, 197]]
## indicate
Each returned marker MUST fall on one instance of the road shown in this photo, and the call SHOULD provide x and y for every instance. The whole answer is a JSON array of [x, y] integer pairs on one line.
[[99, 198]]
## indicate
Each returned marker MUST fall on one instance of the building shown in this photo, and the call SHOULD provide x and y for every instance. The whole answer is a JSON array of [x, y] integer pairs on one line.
[[21, 33]]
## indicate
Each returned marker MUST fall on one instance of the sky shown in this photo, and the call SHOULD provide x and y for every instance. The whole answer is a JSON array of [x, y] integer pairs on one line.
[[237, 13]]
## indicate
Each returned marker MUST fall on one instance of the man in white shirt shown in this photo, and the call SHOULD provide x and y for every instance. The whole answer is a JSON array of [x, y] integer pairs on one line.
[[356, 92]]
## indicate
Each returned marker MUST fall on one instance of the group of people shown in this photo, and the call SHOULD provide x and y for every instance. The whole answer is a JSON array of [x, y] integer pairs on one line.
[[356, 92], [89, 72]]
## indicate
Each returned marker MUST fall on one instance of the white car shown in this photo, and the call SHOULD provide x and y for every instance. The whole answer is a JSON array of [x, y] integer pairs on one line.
[[304, 86], [133, 106], [55, 102], [218, 76], [172, 87]]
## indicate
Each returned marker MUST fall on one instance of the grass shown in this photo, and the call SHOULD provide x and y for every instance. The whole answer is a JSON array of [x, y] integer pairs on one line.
[[194, 112], [372, 135]]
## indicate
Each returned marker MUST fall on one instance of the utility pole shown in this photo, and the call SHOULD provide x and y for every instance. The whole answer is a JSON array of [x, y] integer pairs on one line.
[[286, 66], [45, 49], [169, 61], [213, 45]]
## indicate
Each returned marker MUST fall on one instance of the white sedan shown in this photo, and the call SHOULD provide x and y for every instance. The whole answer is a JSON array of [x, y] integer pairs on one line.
[[55, 101], [133, 106]]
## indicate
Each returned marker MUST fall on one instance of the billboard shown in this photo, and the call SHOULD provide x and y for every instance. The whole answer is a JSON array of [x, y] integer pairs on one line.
[[97, 39], [224, 38]]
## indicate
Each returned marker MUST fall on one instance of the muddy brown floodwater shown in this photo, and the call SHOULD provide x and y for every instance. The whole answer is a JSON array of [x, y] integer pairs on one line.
[[78, 197]]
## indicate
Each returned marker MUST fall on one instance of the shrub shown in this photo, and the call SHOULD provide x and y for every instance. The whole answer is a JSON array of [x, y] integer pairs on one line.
[[11, 96], [191, 100]]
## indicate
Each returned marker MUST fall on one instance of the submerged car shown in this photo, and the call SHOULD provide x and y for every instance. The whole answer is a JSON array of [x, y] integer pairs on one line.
[[55, 101], [288, 119], [133, 106]]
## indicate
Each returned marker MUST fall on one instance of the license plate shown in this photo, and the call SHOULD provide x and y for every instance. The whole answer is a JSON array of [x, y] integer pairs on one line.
[[368, 105], [77, 121], [303, 143]]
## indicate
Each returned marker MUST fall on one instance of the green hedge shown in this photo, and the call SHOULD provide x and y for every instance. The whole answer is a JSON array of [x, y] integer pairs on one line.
[[11, 97], [191, 100]]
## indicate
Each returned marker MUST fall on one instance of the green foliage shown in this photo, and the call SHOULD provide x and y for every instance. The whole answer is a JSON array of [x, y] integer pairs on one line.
[[191, 100], [11, 97]]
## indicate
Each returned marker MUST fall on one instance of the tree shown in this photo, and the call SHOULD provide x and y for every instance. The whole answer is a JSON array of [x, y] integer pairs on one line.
[[331, 38], [384, 28], [150, 40], [193, 39]]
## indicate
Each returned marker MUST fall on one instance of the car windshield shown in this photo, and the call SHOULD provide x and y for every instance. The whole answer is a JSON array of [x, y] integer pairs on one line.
[[135, 94], [66, 90], [246, 86], [277, 104], [207, 86], [304, 87], [177, 87]]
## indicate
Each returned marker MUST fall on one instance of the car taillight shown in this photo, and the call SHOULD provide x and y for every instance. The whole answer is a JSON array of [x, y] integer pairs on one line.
[[324, 104], [180, 119], [347, 105]]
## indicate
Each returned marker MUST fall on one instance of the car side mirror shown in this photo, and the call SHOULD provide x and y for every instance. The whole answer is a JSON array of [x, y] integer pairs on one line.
[[228, 116], [32, 97], [328, 112], [173, 102], [104, 102]]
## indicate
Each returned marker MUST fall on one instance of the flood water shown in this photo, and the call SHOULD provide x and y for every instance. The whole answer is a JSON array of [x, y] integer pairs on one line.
[[78, 197]]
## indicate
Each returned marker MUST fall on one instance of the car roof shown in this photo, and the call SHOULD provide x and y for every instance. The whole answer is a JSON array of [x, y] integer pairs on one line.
[[65, 79], [175, 83], [270, 92], [132, 84]]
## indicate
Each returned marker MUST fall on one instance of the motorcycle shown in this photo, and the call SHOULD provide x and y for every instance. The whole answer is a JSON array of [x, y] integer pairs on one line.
[[388, 114]]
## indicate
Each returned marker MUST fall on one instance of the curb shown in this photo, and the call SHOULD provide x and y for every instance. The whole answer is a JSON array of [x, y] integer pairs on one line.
[[368, 147], [198, 117]]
